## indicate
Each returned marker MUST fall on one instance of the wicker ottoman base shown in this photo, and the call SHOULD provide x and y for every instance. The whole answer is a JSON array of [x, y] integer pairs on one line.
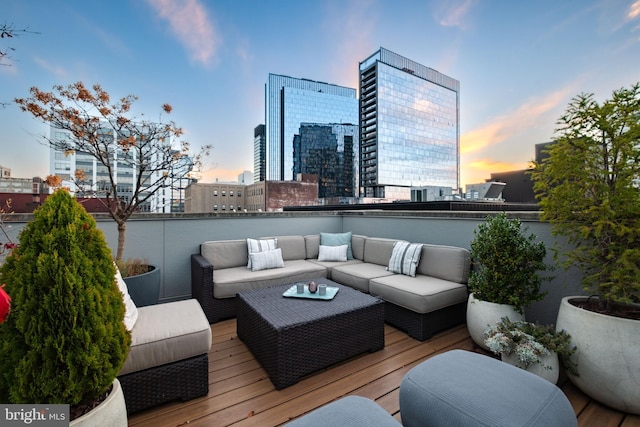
[[293, 337], [184, 380], [423, 326]]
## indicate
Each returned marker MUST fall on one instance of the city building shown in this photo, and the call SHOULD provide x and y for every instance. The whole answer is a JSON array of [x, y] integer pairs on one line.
[[65, 164], [259, 153], [329, 151], [289, 102], [409, 127], [21, 195], [216, 197], [246, 178], [262, 196]]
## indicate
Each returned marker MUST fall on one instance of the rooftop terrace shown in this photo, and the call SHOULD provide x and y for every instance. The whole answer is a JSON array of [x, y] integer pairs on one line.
[[240, 392]]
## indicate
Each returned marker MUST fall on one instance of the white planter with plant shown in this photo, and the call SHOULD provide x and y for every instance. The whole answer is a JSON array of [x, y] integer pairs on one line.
[[588, 191], [506, 265], [534, 348]]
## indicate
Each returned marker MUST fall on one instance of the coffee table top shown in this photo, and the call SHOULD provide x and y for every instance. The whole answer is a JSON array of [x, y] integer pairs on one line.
[[282, 312]]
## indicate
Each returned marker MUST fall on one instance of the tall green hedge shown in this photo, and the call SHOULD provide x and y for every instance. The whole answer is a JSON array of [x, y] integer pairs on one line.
[[65, 340]]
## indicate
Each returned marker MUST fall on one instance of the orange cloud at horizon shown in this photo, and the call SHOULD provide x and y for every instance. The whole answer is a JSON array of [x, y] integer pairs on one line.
[[509, 125], [480, 170]]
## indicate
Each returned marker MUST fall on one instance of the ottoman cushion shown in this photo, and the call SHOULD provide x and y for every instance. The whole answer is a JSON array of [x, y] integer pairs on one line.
[[166, 333], [350, 411], [461, 388]]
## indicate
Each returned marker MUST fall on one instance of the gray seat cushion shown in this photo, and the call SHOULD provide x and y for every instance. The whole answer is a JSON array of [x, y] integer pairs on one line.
[[461, 388], [421, 294], [166, 333], [230, 281], [358, 275], [350, 411]]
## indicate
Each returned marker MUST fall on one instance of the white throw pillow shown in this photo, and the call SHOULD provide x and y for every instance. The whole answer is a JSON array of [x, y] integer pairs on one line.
[[405, 258], [332, 253], [131, 311], [266, 259], [259, 245]]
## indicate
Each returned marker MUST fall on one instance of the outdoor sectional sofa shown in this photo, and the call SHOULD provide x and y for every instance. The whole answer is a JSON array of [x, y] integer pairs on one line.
[[432, 301]]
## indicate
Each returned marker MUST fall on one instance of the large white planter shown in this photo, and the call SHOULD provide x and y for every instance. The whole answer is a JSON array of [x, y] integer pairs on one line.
[[549, 368], [607, 355], [110, 413], [483, 314]]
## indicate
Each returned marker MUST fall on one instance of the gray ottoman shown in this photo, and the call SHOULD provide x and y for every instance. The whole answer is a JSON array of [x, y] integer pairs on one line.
[[461, 388], [350, 411]]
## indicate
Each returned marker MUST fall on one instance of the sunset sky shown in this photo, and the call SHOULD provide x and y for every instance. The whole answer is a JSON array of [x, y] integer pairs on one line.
[[518, 63]]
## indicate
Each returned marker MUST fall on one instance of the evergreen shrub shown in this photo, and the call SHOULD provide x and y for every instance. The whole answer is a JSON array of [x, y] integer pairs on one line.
[[65, 340]]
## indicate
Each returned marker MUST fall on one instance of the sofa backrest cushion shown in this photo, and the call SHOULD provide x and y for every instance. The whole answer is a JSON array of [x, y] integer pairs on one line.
[[377, 250], [312, 245], [293, 247], [225, 253], [445, 262], [357, 246]]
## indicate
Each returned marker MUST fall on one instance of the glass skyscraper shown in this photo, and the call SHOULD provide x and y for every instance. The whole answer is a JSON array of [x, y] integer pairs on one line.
[[409, 127], [289, 102], [329, 151]]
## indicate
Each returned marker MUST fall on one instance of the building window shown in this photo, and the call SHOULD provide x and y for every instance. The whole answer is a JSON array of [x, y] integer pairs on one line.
[[231, 207], [215, 207], [230, 193], [224, 193], [239, 193], [215, 193], [224, 207]]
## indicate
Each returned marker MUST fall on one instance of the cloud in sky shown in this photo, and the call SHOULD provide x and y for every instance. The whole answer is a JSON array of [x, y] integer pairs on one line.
[[352, 26], [509, 125], [55, 70], [189, 22], [454, 13]]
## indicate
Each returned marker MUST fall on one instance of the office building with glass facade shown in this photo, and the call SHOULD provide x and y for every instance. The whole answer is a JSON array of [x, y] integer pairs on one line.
[[289, 102], [409, 127], [259, 153], [329, 151]]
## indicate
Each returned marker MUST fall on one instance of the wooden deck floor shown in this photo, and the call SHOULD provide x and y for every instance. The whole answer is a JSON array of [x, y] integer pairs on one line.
[[240, 393]]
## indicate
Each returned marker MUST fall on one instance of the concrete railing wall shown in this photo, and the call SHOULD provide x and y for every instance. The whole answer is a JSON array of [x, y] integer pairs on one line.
[[169, 240]]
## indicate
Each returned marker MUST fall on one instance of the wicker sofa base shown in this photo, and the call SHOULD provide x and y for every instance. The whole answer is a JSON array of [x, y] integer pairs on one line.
[[423, 326], [182, 380]]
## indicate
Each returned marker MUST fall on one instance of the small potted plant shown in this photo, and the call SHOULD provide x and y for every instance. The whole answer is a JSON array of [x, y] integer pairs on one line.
[[533, 347], [505, 277]]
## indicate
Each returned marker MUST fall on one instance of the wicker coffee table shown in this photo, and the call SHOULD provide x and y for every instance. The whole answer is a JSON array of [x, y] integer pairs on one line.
[[293, 337]]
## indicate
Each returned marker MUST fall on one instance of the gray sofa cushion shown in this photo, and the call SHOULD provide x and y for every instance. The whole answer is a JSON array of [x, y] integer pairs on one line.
[[330, 265], [378, 250], [445, 262], [350, 411], [230, 281], [225, 253], [422, 294], [293, 247], [357, 275], [461, 388], [357, 246], [166, 333]]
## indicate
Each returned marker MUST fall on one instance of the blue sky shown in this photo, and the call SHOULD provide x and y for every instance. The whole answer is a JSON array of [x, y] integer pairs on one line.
[[519, 64]]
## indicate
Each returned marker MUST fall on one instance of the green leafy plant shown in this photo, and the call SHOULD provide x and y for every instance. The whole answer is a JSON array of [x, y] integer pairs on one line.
[[506, 263], [589, 190], [530, 342], [65, 340]]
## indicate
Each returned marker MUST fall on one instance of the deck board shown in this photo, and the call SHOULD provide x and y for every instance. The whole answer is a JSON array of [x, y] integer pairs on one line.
[[240, 393]]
